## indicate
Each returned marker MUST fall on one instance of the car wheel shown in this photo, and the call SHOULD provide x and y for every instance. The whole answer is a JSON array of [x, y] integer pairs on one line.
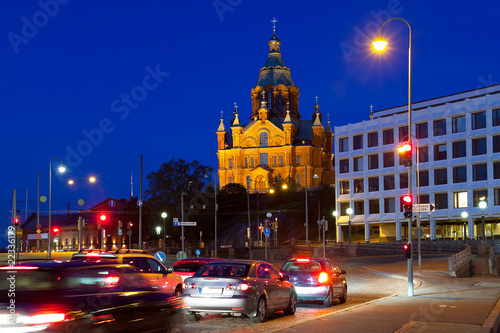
[[329, 300], [178, 291], [193, 316], [292, 305], [260, 314], [343, 299]]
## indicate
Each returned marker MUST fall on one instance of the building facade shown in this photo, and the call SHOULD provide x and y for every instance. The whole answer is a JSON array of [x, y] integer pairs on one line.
[[456, 140], [276, 142]]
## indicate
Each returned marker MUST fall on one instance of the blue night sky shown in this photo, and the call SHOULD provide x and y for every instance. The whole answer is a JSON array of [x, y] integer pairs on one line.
[[70, 71]]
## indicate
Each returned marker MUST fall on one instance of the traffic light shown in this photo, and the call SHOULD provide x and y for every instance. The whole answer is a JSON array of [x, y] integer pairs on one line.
[[16, 221], [406, 152], [55, 231], [408, 206], [269, 224], [407, 250], [130, 225], [103, 217]]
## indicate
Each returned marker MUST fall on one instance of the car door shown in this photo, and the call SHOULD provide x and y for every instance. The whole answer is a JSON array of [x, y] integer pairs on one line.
[[283, 288], [166, 282], [337, 280], [268, 281], [148, 279]]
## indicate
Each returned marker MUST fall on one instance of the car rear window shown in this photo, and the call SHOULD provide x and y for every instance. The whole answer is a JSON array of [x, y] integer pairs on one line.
[[293, 266], [224, 270], [188, 266]]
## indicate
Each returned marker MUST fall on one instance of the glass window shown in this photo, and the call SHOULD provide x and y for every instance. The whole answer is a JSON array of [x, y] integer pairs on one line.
[[373, 184], [282, 160], [156, 267], [343, 144], [263, 159], [389, 205], [495, 115], [388, 159], [299, 180], [344, 166], [424, 198], [263, 139], [343, 208], [439, 127], [359, 208], [440, 152], [479, 195], [374, 206], [357, 142], [403, 180], [298, 159], [459, 149], [373, 139], [275, 160], [441, 200], [230, 163], [389, 183], [458, 124], [357, 163], [388, 136], [478, 120], [358, 186], [403, 133], [460, 199], [479, 172], [253, 161], [423, 154], [372, 162], [422, 130], [496, 143], [478, 146], [246, 161], [496, 170], [423, 178], [460, 174], [344, 187], [440, 177], [496, 192]]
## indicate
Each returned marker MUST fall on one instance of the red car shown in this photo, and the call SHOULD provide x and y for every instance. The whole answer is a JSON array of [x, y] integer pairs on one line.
[[187, 267]]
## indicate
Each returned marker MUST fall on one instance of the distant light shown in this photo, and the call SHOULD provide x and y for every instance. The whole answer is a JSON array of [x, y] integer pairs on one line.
[[164, 215], [482, 204], [465, 215], [61, 169], [335, 213], [348, 211], [271, 190], [92, 179], [71, 181], [284, 186], [379, 44]]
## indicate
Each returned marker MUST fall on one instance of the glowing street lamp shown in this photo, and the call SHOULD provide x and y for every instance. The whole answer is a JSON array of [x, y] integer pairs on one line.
[[465, 215], [61, 169], [335, 214], [164, 216], [349, 212], [379, 44], [483, 205]]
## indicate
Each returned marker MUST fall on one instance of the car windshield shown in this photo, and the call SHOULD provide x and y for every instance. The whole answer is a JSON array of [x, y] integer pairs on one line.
[[224, 270], [294, 266], [188, 266]]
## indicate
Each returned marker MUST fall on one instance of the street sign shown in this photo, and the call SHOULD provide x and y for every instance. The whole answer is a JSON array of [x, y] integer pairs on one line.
[[56, 239], [112, 203], [160, 256], [188, 224], [39, 235], [38, 231], [267, 232], [177, 224], [424, 208], [120, 232], [198, 252], [38, 225], [19, 232], [139, 203], [176, 219], [129, 233], [419, 232]]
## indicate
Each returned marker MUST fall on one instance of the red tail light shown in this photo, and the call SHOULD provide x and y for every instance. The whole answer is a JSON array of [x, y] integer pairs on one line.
[[303, 260], [45, 318], [323, 277], [111, 281], [239, 286]]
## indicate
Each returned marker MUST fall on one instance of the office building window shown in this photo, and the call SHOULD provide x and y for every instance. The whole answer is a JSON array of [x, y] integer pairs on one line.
[[439, 127], [403, 180], [372, 162], [344, 187], [479, 172], [478, 120], [359, 208], [479, 195], [403, 133], [440, 177], [357, 163], [496, 170], [344, 166], [423, 154], [357, 142], [440, 152], [459, 149], [460, 199], [441, 200], [263, 139], [389, 205], [343, 145], [389, 183], [388, 159], [422, 130], [478, 146], [496, 143], [388, 136], [373, 184], [373, 139], [460, 174], [495, 115], [496, 192], [359, 186], [343, 208], [423, 177], [424, 199], [374, 206], [458, 124]]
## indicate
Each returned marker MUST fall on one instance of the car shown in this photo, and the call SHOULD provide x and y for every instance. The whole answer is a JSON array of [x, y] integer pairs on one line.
[[187, 267], [238, 287], [77, 296], [148, 266], [316, 280]]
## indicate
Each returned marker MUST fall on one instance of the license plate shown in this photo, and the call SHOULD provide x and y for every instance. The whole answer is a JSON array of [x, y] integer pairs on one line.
[[211, 291]]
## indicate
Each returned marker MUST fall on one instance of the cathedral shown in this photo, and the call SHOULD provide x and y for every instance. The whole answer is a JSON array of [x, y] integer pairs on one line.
[[276, 144]]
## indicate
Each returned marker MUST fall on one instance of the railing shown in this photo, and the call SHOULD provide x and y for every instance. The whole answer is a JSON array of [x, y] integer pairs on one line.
[[459, 259]]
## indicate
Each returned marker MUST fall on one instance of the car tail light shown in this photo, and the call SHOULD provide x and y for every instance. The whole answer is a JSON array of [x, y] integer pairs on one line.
[[188, 285], [323, 277], [18, 268], [239, 286], [45, 318], [303, 260], [111, 281]]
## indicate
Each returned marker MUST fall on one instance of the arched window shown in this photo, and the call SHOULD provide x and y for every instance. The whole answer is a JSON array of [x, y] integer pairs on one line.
[[275, 160], [230, 163], [298, 159], [282, 160], [263, 139], [253, 161], [269, 98], [280, 101], [246, 162], [231, 180], [298, 180]]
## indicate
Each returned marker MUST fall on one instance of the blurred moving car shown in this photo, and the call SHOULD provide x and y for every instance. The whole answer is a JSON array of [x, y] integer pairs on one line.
[[70, 296], [238, 287], [316, 280], [187, 267], [150, 268]]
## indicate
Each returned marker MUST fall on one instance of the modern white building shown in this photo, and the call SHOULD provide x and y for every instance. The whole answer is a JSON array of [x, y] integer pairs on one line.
[[458, 139]]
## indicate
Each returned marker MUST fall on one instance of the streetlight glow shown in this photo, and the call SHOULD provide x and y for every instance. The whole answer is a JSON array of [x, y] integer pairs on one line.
[[465, 215], [379, 44], [61, 169], [284, 186], [164, 215], [482, 204], [335, 213], [92, 179], [348, 211], [71, 182]]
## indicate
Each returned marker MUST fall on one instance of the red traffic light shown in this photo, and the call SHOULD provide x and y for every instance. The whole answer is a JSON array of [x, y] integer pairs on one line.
[[405, 148], [55, 230], [407, 199], [16, 221], [103, 217], [130, 224]]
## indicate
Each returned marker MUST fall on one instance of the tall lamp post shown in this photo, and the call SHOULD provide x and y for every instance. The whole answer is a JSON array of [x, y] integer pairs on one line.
[[335, 214], [465, 215], [215, 209], [158, 232], [249, 181], [164, 216], [379, 45], [61, 169], [349, 212], [483, 205]]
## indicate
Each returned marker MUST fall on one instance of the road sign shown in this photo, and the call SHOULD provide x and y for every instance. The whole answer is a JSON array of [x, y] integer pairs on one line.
[[129, 233], [176, 219], [112, 203], [38, 231], [160, 256], [19, 232], [177, 224], [139, 203], [198, 252], [56, 239], [188, 224], [419, 232], [181, 255], [267, 232], [120, 232], [39, 235], [424, 208], [38, 225]]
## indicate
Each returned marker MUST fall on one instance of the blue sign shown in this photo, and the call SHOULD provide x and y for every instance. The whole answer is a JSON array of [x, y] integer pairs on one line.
[[177, 224], [120, 232], [160, 256], [112, 203], [198, 252], [267, 232]]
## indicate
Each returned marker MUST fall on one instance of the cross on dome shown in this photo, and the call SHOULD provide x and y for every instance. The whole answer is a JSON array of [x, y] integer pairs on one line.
[[274, 20]]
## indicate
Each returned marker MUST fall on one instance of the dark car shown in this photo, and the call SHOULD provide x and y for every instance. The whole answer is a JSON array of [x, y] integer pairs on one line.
[[238, 287], [80, 296], [187, 267], [316, 280]]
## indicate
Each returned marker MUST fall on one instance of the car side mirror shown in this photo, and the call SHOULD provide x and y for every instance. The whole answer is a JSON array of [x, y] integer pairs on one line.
[[169, 270], [342, 272], [285, 278]]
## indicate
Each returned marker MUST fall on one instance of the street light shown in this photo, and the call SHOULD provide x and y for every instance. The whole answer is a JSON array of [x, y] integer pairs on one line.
[[465, 215], [483, 205], [158, 231], [164, 216], [349, 212], [335, 214], [215, 208], [61, 169]]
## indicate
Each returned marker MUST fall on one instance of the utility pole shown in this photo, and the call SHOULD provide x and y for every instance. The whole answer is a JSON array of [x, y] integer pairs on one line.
[[140, 213]]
